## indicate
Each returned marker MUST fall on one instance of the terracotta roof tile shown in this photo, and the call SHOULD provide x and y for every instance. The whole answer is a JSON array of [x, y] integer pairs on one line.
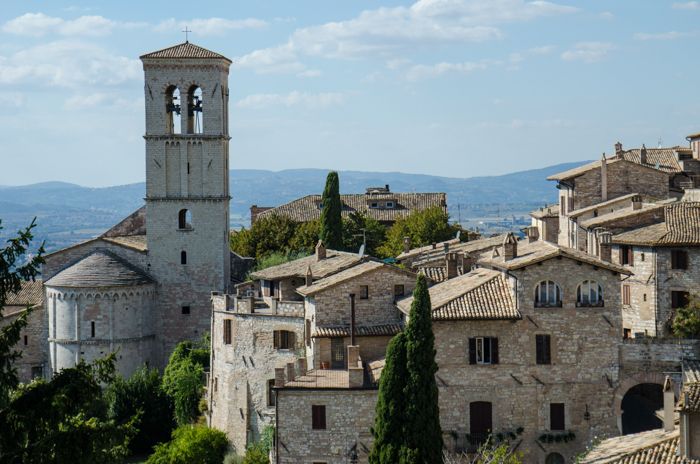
[[429, 257], [692, 389], [624, 213], [439, 248], [691, 371], [482, 294], [369, 265], [546, 212], [360, 330], [137, 242], [31, 293], [306, 208], [184, 50], [602, 205], [374, 369], [101, 268], [335, 261], [652, 447], [437, 273], [682, 227], [665, 157]]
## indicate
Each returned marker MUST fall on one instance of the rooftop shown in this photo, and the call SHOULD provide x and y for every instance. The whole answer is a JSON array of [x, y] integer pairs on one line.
[[474, 246], [30, 294], [101, 268], [438, 273], [682, 227], [334, 261], [602, 205], [360, 330], [184, 50], [652, 447], [625, 213], [546, 212], [368, 265], [321, 378]]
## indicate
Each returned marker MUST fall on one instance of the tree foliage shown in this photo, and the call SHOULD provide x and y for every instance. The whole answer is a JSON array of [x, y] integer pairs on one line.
[[331, 214], [267, 235], [686, 324], [200, 444], [278, 258], [423, 434], [183, 379], [423, 227], [11, 276], [306, 236], [49, 422], [142, 391], [353, 236]]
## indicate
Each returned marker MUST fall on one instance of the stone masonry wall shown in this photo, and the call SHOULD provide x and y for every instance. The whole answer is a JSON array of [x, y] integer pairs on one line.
[[35, 353]]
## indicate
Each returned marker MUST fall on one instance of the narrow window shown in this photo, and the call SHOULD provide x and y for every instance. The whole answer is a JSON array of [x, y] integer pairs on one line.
[[543, 348], [195, 121], [307, 332], [374, 205], [172, 110], [562, 204], [26, 340], [645, 297], [216, 384], [625, 294], [364, 292], [679, 259], [271, 394], [227, 332], [556, 416], [483, 350], [627, 333], [679, 299], [627, 255], [92, 329], [183, 257], [186, 309], [184, 219], [318, 417], [480, 421], [398, 290]]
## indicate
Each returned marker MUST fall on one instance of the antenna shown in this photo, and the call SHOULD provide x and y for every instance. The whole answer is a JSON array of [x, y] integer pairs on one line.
[[361, 253], [459, 232], [660, 142]]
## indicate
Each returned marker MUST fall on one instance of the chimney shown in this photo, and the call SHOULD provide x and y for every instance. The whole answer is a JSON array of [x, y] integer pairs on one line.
[[604, 178], [669, 405], [320, 251], [466, 263], [605, 240], [643, 154], [618, 148], [637, 202], [451, 265], [533, 233], [447, 247], [309, 276], [387, 187], [510, 247], [434, 246], [406, 244]]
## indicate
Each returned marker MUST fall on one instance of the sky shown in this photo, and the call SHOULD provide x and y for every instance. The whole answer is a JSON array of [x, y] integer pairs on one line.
[[455, 88]]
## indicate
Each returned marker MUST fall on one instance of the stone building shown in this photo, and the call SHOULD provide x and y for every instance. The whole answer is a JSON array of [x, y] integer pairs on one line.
[[377, 202], [546, 219]]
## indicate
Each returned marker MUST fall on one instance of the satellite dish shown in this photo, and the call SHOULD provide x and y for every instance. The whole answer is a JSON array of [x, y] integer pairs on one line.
[[459, 232], [362, 251]]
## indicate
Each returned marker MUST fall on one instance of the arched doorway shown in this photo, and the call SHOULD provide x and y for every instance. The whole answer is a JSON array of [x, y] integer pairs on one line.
[[639, 406]]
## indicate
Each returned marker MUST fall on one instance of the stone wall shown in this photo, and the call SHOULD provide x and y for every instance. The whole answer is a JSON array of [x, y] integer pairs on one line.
[[32, 344]]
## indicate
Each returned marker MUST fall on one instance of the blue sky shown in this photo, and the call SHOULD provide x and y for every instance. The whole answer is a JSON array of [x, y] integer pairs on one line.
[[455, 88]]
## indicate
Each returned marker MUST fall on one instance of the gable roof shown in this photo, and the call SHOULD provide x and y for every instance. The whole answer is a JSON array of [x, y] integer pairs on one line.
[[333, 262], [306, 208], [482, 294], [370, 265], [682, 227], [31, 293], [429, 256], [438, 273], [602, 205], [625, 213], [551, 211], [184, 50], [101, 268], [360, 330], [651, 447], [428, 248]]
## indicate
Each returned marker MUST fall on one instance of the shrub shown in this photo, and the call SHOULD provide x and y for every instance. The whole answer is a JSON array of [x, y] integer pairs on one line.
[[201, 445]]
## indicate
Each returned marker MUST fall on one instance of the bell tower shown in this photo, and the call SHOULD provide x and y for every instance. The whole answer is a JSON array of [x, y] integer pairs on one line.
[[187, 188]]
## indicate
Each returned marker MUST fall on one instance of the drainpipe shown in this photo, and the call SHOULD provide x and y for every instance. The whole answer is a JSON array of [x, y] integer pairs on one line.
[[655, 269], [352, 319]]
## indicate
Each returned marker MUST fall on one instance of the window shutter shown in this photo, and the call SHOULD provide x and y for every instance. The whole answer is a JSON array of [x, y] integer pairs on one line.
[[547, 350], [293, 340], [539, 348], [684, 257], [674, 259], [557, 416], [276, 338], [623, 250], [626, 294], [472, 351], [563, 206], [494, 351], [630, 259]]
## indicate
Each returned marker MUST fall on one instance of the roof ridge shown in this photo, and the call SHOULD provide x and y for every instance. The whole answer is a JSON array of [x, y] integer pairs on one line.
[[184, 50]]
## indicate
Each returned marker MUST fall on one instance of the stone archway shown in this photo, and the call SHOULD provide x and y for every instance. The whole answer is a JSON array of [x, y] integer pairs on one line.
[[638, 379]]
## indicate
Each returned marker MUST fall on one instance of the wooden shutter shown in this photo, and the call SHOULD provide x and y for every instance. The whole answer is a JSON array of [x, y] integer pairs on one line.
[[543, 348], [623, 250], [307, 332], [276, 339], [626, 294], [563, 205], [571, 204], [494, 351], [292, 337], [684, 259], [674, 259], [557, 416], [480, 419], [472, 351], [318, 417], [547, 349], [630, 257]]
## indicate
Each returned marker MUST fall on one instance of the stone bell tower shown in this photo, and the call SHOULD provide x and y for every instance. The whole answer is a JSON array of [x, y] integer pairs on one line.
[[187, 188]]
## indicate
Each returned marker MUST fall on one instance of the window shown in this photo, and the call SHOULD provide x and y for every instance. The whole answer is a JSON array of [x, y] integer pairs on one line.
[[547, 294], [186, 309], [389, 204], [183, 257], [589, 293], [337, 353], [37, 371], [626, 294], [679, 259], [483, 350], [626, 255], [679, 299], [543, 347], [284, 339], [554, 458], [227, 332], [645, 297], [320, 206], [562, 204], [480, 421], [556, 416], [627, 333], [26, 340], [172, 110], [595, 213], [216, 384], [641, 256], [364, 292], [318, 417], [184, 219], [195, 124], [92, 329], [374, 205], [271, 393], [571, 204], [398, 290]]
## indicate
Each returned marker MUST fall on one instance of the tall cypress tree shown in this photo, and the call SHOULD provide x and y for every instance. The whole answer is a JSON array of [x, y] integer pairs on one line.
[[331, 221], [423, 434], [391, 404]]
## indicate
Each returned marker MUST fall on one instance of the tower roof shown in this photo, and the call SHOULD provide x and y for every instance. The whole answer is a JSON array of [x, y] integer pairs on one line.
[[101, 268], [184, 50]]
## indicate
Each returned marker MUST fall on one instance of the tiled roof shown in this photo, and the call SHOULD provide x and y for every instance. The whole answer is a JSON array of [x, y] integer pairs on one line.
[[579, 171], [692, 389], [474, 246], [697, 134], [682, 227], [439, 247], [321, 378], [350, 273], [31, 293], [540, 250], [306, 208], [691, 371], [665, 157], [101, 268], [137, 242], [546, 212], [335, 261], [602, 205], [482, 294], [437, 273], [652, 447], [184, 50], [625, 213], [360, 330], [374, 369]]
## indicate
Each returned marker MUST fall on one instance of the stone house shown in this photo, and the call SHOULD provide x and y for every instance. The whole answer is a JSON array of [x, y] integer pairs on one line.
[[546, 219]]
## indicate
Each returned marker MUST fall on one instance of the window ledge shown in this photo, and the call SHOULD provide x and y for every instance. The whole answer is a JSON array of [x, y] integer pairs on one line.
[[189, 229]]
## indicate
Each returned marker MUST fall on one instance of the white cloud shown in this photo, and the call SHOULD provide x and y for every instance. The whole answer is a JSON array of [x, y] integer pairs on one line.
[[606, 15], [76, 8], [588, 52], [663, 36], [310, 73], [513, 68], [515, 57], [391, 33], [370, 78], [11, 98], [68, 63], [210, 26], [686, 6], [542, 50], [421, 72], [38, 25], [311, 101], [280, 59], [398, 63]]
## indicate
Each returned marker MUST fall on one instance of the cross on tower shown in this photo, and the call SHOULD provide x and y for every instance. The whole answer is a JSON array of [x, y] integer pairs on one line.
[[187, 37]]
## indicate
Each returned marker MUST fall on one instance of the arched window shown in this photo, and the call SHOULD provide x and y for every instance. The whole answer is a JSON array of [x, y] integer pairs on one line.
[[195, 119], [184, 219], [554, 458], [183, 257], [547, 294], [589, 293], [173, 123]]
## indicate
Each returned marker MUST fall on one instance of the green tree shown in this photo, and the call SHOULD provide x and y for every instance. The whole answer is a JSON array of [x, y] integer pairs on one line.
[[201, 445], [142, 391], [423, 227], [388, 431], [267, 235], [183, 379], [50, 422], [353, 236], [306, 236], [11, 276], [423, 434], [331, 215], [278, 258], [686, 324]]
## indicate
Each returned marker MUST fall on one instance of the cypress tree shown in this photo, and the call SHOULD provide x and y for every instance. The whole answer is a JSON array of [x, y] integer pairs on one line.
[[331, 222], [389, 422], [422, 431]]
